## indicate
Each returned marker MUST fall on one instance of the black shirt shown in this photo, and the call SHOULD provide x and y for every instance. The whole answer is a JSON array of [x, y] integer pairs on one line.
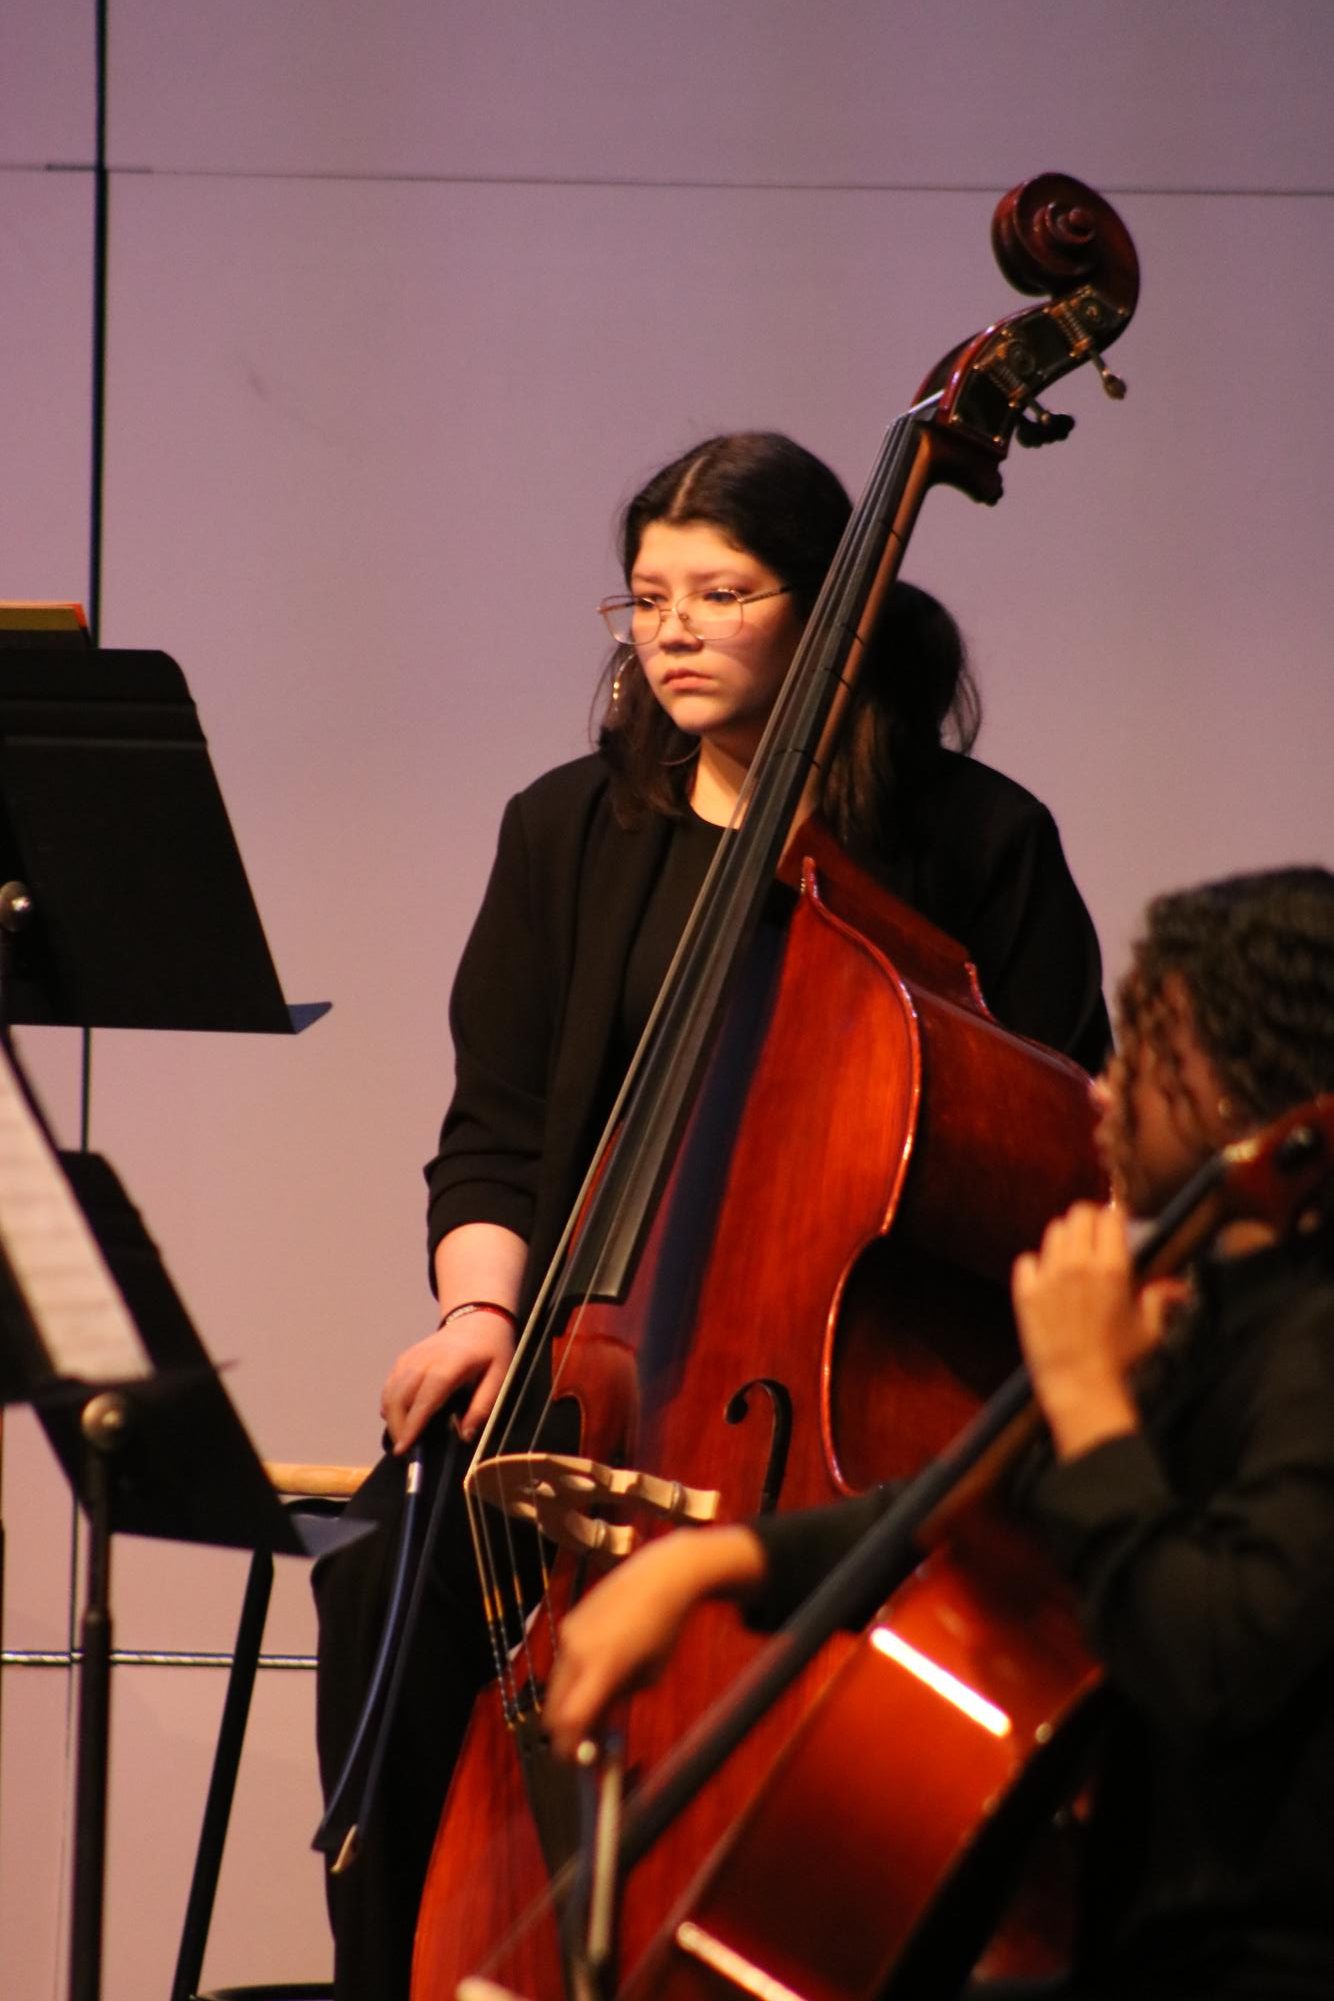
[[1203, 1555], [1202, 1552]]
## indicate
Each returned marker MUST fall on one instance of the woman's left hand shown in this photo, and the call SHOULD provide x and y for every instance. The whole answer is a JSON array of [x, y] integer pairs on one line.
[[1083, 1326]]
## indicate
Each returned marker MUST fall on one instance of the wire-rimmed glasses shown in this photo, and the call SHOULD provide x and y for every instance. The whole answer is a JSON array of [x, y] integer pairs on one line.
[[710, 614]]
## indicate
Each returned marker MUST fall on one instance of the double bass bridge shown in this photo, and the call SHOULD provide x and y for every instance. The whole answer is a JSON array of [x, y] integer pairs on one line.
[[565, 1496]]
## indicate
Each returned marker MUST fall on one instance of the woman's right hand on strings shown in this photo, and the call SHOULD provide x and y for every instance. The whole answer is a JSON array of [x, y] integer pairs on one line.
[[476, 1349]]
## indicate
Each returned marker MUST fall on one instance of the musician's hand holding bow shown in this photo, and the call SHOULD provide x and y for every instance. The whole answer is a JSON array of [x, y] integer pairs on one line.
[[478, 1269], [476, 1350], [619, 1637]]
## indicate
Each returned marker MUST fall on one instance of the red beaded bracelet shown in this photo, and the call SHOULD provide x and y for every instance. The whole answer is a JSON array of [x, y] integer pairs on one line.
[[480, 1306]]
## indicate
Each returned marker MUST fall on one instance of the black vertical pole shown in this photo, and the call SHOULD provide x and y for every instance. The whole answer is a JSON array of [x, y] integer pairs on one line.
[[97, 409], [103, 1424], [99, 341], [222, 1784]]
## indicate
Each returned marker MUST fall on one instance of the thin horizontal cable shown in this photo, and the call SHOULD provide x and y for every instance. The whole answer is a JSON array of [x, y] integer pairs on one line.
[[390, 177], [32, 1657]]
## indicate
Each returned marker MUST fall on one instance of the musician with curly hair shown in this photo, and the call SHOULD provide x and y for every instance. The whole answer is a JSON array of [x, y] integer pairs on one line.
[[1194, 1520]]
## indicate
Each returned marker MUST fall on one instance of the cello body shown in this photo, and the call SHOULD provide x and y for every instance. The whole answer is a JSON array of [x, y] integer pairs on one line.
[[840, 1258], [953, 1732], [976, 1654]]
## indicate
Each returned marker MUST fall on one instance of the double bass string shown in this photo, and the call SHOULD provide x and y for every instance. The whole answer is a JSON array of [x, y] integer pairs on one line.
[[680, 1030], [667, 1063], [677, 1034]]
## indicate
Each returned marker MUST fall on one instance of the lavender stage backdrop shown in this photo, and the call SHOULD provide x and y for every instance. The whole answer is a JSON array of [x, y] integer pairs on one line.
[[402, 300]]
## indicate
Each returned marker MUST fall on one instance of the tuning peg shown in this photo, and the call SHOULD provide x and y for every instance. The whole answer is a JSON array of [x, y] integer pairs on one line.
[[1113, 384], [1042, 427]]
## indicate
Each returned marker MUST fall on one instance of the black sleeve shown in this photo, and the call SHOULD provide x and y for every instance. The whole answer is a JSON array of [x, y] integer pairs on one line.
[[502, 1020], [1035, 947], [802, 1547], [1208, 1616], [983, 860]]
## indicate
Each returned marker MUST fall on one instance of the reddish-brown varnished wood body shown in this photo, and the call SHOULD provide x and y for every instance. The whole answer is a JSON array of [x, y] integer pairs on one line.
[[933, 1756], [961, 1718], [868, 1154]]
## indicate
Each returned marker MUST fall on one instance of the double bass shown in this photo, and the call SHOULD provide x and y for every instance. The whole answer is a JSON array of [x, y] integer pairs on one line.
[[786, 1277]]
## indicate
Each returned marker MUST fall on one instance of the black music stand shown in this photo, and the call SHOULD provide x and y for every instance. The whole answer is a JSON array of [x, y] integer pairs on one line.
[[135, 909], [149, 1441], [123, 904]]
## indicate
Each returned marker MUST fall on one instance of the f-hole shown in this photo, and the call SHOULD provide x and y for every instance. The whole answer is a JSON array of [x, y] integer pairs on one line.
[[780, 1408]]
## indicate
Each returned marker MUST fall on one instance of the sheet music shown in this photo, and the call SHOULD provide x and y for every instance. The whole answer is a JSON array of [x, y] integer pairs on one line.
[[74, 1302]]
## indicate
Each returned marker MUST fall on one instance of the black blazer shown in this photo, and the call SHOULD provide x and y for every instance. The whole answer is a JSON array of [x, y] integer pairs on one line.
[[535, 1005]]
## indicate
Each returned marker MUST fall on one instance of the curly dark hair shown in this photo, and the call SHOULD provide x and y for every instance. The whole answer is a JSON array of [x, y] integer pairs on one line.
[[1255, 954], [773, 498]]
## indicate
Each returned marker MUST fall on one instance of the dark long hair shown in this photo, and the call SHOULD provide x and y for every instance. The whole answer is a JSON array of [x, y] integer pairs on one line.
[[779, 502], [1255, 954]]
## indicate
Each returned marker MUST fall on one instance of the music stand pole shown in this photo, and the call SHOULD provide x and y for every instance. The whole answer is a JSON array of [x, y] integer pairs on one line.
[[103, 1423], [15, 911]]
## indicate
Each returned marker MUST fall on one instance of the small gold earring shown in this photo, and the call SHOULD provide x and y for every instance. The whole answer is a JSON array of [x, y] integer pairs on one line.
[[621, 666]]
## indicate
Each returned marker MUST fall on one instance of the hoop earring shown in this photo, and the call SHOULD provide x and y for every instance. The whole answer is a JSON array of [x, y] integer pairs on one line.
[[627, 660]]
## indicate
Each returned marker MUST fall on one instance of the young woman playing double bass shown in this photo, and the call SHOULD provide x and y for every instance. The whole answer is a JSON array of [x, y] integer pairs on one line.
[[1197, 1530], [723, 552]]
